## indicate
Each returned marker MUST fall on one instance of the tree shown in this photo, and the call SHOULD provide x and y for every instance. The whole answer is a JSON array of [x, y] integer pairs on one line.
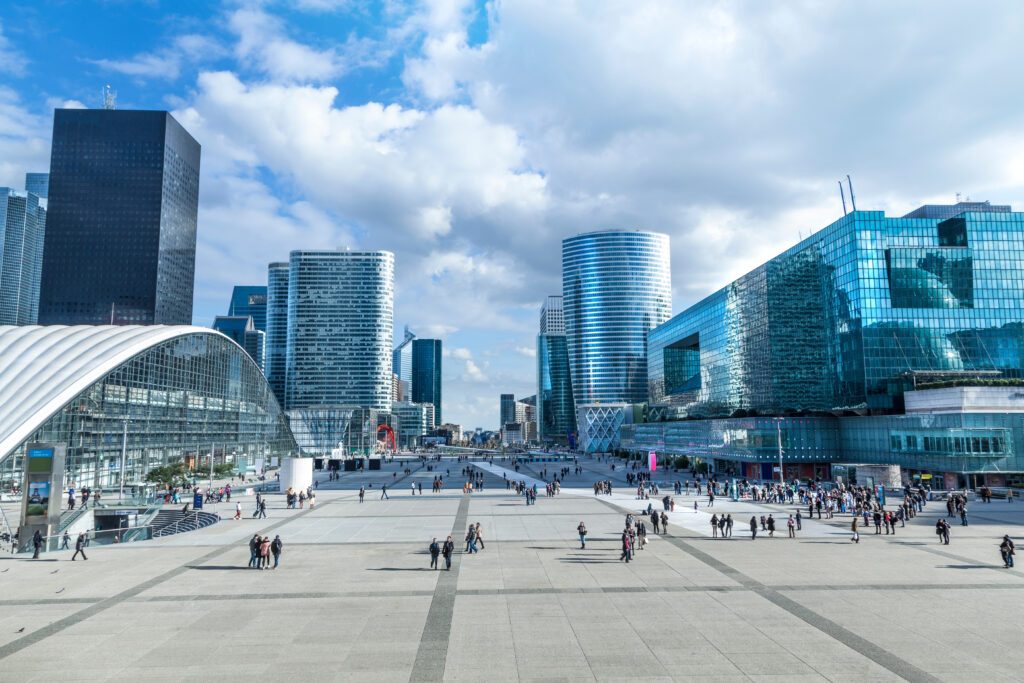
[[169, 475]]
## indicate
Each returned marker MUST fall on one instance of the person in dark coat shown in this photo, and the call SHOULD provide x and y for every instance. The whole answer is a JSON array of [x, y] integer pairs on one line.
[[79, 547], [435, 551], [446, 551]]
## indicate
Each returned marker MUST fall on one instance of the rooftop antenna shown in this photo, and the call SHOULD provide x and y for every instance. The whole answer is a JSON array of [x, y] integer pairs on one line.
[[957, 197], [842, 196], [853, 200], [109, 97]]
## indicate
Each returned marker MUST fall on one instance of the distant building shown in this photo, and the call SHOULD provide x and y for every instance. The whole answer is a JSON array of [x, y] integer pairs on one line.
[[120, 242], [556, 410], [426, 374], [38, 184], [401, 364], [277, 328], [943, 211], [415, 420], [340, 326], [507, 409], [22, 231], [242, 331], [453, 431], [250, 300]]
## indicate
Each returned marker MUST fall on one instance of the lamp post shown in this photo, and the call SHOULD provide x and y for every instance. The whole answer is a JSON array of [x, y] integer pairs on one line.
[[778, 433], [124, 455]]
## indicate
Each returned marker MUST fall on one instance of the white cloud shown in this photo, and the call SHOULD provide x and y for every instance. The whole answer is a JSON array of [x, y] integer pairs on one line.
[[474, 373], [167, 62], [24, 140], [12, 61], [461, 353], [527, 351]]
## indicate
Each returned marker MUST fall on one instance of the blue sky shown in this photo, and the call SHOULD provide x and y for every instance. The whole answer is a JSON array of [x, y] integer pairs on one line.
[[470, 137]]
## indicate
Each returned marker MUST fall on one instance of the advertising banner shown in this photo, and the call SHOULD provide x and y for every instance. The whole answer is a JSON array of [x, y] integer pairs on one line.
[[652, 461]]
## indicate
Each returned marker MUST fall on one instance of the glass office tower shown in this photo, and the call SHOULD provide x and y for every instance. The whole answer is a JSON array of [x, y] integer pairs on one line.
[[426, 374], [277, 328], [340, 325], [22, 230], [242, 330], [616, 285], [851, 317], [38, 184], [121, 235], [250, 300], [556, 411]]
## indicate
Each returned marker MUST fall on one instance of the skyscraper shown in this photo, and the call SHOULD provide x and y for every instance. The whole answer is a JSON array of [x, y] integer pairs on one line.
[[508, 410], [241, 329], [38, 184], [426, 374], [22, 229], [617, 285], [340, 326], [556, 411], [250, 300], [401, 364], [277, 328], [121, 236]]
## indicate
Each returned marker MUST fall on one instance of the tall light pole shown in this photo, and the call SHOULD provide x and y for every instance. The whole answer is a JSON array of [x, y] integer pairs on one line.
[[124, 454], [212, 447], [778, 433]]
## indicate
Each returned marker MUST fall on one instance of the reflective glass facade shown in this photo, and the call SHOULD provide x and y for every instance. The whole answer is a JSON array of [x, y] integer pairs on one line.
[[320, 430], [556, 411], [340, 329], [277, 328], [121, 235], [22, 229], [851, 317], [176, 401], [426, 374], [241, 330], [616, 285], [250, 300]]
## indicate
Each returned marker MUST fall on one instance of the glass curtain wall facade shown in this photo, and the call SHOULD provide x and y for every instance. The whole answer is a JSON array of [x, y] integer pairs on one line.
[[556, 410], [120, 242], [250, 300], [339, 430], [277, 328], [851, 317], [340, 329], [241, 330], [426, 374], [616, 285], [177, 401], [507, 409], [22, 231]]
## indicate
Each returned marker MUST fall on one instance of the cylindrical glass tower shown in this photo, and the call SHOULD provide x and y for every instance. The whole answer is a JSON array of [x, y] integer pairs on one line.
[[277, 327], [340, 318], [616, 285]]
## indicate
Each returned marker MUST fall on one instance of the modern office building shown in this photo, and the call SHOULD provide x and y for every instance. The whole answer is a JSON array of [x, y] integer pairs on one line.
[[426, 374], [144, 396], [250, 300], [22, 230], [340, 325], [276, 347], [616, 286], [341, 431], [556, 410], [401, 365], [823, 345], [242, 330], [415, 420], [38, 184], [507, 409], [121, 226]]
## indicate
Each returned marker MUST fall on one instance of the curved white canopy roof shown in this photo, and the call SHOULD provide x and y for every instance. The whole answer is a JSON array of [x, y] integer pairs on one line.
[[42, 368]]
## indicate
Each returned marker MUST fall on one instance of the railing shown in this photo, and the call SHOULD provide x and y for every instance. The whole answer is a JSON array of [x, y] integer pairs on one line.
[[70, 518]]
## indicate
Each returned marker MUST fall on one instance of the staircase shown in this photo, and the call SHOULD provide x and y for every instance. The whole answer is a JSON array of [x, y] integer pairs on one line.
[[168, 522]]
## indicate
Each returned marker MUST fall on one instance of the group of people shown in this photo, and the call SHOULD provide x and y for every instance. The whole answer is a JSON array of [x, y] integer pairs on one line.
[[604, 486], [86, 493], [442, 549], [261, 548]]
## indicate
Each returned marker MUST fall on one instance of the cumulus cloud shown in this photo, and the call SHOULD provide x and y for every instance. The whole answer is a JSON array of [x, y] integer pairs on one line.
[[12, 61], [528, 351], [474, 373], [167, 62], [24, 140]]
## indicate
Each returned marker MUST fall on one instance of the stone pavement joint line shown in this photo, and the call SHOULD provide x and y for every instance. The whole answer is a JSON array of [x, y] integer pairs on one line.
[[433, 649], [56, 627], [879, 655]]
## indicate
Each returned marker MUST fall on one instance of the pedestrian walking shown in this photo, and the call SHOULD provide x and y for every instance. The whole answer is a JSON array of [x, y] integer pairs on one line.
[[791, 524], [264, 559], [238, 510], [65, 540], [480, 536], [384, 492], [582, 531], [1006, 549], [771, 526], [276, 546], [263, 509], [446, 551], [714, 526], [254, 550], [362, 492], [799, 519], [753, 528], [853, 527], [79, 547], [435, 550], [37, 544], [627, 546]]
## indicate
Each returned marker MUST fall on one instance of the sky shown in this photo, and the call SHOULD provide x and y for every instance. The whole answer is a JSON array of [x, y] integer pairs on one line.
[[471, 137]]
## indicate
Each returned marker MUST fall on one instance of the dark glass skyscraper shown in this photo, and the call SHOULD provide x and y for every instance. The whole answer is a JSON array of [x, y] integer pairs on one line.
[[22, 227], [556, 410], [426, 374], [250, 300], [121, 227], [277, 327]]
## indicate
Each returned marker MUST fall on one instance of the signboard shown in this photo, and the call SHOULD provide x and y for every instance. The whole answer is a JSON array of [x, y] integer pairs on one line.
[[197, 500], [43, 486], [926, 476], [652, 461]]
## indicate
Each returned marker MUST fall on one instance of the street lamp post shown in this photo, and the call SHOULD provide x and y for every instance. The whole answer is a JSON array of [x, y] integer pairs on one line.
[[778, 432], [124, 455]]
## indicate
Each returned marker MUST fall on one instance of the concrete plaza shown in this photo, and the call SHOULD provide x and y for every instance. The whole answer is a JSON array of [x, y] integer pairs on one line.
[[354, 598]]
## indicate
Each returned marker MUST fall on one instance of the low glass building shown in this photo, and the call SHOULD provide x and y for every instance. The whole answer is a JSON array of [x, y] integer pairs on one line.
[[145, 395], [834, 334]]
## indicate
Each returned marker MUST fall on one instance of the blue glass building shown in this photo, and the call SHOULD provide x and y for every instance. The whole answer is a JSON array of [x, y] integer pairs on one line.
[[250, 300], [242, 330], [616, 286], [38, 184], [22, 230], [120, 241], [277, 328], [831, 334], [426, 374], [340, 326], [556, 410]]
